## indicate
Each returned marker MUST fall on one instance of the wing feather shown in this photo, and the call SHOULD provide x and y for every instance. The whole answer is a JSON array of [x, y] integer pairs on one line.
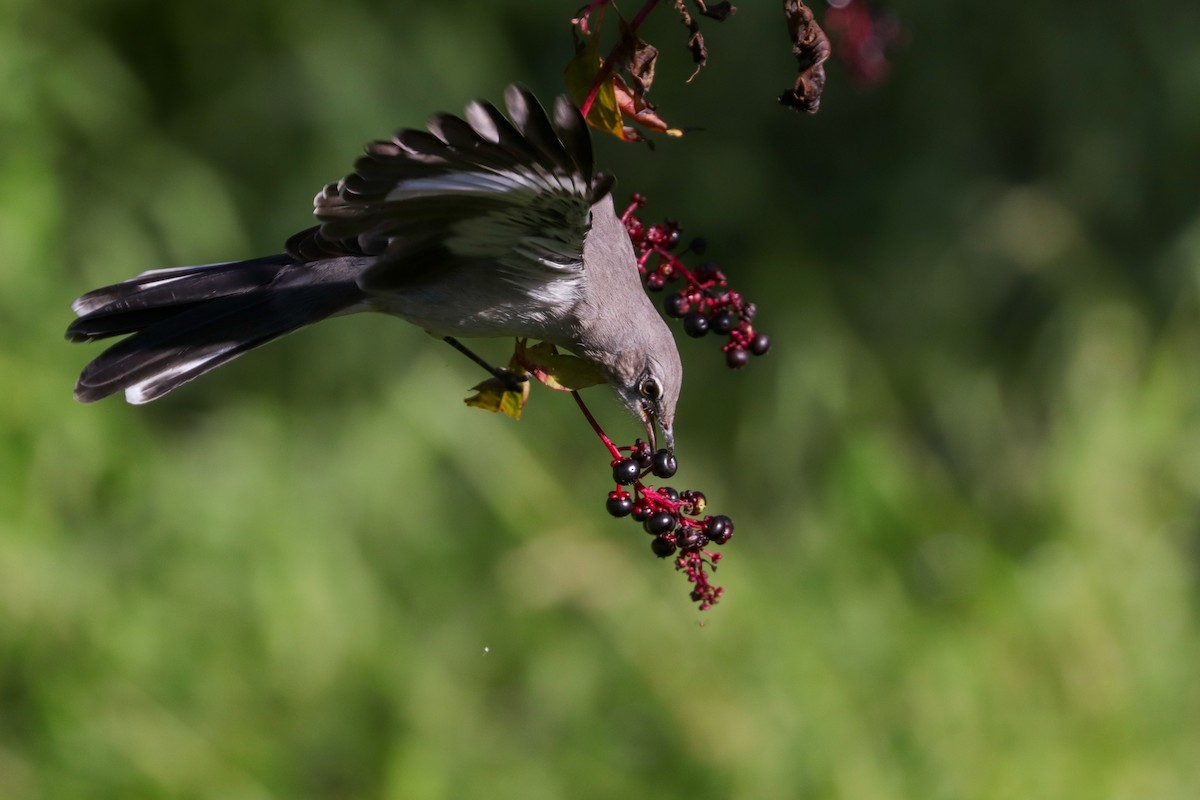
[[478, 192]]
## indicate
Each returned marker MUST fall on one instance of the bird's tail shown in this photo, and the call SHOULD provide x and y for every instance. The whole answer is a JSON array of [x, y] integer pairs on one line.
[[187, 321]]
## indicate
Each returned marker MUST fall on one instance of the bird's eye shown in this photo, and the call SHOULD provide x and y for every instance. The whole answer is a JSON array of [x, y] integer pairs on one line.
[[650, 389]]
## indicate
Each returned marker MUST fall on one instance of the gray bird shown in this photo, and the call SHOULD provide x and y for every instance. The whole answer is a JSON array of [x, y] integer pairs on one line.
[[479, 227]]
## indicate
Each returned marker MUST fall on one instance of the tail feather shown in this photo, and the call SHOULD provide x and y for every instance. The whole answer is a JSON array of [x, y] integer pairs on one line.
[[161, 288], [189, 321]]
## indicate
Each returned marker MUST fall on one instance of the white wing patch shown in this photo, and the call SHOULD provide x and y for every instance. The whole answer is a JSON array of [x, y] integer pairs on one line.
[[548, 264]]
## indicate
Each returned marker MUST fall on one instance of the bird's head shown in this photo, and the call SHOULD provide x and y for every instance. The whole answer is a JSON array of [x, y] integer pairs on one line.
[[648, 378]]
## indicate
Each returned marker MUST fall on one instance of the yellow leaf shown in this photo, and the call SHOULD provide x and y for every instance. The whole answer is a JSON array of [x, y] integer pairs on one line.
[[580, 75], [492, 396]]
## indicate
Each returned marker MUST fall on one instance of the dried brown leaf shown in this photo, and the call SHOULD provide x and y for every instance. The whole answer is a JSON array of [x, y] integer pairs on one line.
[[695, 39], [811, 47], [717, 11], [640, 58]]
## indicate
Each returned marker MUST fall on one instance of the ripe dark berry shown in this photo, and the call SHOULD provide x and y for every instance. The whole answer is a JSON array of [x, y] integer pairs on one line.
[[675, 305], [760, 344], [642, 511], [664, 464], [695, 324], [642, 454], [723, 321], [626, 471], [669, 493], [690, 539], [659, 523], [719, 529], [663, 548], [736, 357], [619, 504]]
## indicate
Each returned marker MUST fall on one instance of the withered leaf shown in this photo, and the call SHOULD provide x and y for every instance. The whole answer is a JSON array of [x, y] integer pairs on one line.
[[695, 39], [717, 11], [641, 56], [811, 47], [636, 109]]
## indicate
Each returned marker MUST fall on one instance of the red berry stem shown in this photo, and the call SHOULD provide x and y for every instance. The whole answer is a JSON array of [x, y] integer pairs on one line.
[[612, 448]]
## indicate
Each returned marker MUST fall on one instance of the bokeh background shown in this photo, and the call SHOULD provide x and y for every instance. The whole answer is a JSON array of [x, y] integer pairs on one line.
[[966, 479]]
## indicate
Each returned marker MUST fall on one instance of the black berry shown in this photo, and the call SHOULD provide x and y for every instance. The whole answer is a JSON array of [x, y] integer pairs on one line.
[[690, 539], [695, 324], [760, 344], [663, 548], [719, 529], [736, 357], [675, 305], [619, 504], [670, 493], [723, 321], [642, 454], [642, 511], [626, 471], [659, 523], [664, 464]]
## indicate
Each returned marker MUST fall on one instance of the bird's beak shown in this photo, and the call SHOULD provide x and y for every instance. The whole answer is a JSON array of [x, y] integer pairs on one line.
[[652, 425]]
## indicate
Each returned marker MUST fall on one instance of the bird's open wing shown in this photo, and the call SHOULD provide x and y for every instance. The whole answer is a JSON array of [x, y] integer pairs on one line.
[[484, 192]]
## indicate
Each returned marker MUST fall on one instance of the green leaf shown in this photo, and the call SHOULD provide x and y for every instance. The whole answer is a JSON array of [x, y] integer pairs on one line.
[[560, 371]]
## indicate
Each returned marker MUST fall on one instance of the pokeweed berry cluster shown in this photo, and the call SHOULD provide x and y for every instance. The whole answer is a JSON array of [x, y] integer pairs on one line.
[[672, 517], [705, 302]]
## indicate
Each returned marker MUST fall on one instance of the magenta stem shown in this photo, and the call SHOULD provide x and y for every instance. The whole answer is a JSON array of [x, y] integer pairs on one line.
[[612, 448]]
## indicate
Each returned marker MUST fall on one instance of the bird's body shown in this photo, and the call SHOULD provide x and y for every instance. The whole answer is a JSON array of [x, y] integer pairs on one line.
[[480, 227]]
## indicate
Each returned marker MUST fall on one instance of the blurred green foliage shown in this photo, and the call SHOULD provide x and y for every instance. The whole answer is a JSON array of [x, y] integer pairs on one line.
[[966, 480]]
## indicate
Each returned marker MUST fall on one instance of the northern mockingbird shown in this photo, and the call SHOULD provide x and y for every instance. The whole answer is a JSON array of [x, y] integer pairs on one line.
[[479, 227]]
